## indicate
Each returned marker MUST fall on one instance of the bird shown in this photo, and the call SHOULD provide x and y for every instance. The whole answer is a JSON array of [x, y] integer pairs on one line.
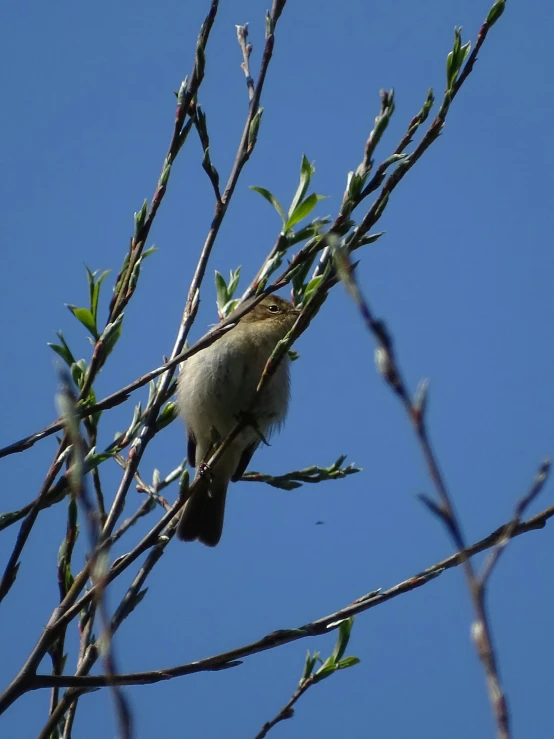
[[215, 388]]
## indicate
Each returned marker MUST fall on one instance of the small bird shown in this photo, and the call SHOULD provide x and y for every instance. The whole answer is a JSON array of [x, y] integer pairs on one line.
[[218, 385]]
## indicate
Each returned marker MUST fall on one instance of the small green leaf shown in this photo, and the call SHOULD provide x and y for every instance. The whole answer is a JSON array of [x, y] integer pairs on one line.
[[233, 281], [86, 403], [78, 370], [254, 128], [84, 316], [90, 279], [355, 185], [221, 290], [306, 172], [112, 332], [303, 210], [495, 12], [148, 252], [369, 239], [307, 232], [347, 662], [92, 460], [68, 578], [140, 218], [456, 58], [269, 26], [309, 665], [182, 90], [299, 275], [167, 415], [229, 307], [311, 287], [284, 484], [96, 294], [271, 199], [122, 273], [68, 359], [343, 638], [68, 356], [326, 669]]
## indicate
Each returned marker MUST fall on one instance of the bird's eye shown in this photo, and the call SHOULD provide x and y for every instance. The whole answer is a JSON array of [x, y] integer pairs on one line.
[[273, 308]]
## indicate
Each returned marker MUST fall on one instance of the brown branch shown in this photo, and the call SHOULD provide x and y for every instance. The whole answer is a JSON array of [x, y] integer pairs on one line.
[[521, 507], [287, 710], [10, 571], [284, 636], [244, 152]]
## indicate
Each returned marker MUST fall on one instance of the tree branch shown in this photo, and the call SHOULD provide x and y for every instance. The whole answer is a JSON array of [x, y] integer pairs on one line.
[[285, 636]]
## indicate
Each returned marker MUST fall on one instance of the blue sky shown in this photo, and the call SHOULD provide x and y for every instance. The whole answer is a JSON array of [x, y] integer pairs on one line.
[[463, 278]]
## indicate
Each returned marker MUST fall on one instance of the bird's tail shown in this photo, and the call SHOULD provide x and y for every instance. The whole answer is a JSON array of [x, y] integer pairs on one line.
[[203, 513]]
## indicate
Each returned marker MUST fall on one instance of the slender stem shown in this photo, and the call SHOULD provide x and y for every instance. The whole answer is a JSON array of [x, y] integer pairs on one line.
[[284, 636], [286, 711]]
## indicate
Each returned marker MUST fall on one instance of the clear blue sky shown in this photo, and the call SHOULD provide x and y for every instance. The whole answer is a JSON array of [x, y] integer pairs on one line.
[[463, 278]]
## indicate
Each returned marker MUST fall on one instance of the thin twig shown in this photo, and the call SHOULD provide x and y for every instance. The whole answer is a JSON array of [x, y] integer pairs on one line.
[[244, 152], [67, 401], [521, 507], [284, 636], [287, 710], [246, 49]]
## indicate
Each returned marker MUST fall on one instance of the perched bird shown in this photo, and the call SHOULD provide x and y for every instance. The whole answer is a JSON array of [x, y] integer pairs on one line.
[[218, 385]]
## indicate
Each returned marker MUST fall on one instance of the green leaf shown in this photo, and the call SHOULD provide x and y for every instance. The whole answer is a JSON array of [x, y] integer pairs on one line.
[[306, 172], [303, 210], [68, 577], [140, 218], [122, 273], [92, 460], [67, 355], [343, 638], [96, 294], [68, 359], [84, 316], [309, 665], [355, 185], [369, 239], [78, 371], [307, 232], [495, 12], [326, 669], [110, 335], [284, 484], [299, 275], [347, 662], [221, 290], [90, 279], [456, 58], [311, 287], [233, 281], [229, 307], [167, 415], [271, 199], [148, 252], [93, 419]]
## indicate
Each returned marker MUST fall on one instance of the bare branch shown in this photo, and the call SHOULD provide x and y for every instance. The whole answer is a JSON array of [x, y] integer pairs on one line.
[[284, 636]]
